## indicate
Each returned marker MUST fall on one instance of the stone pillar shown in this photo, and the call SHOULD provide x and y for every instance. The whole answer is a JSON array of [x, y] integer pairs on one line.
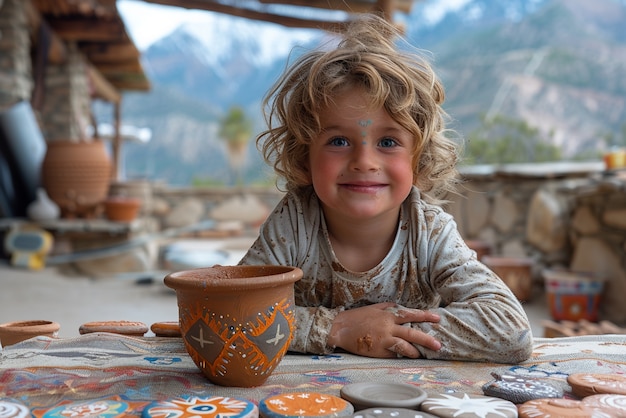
[[66, 110], [16, 81]]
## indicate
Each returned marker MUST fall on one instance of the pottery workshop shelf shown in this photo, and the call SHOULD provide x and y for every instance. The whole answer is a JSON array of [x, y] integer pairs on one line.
[[82, 240], [78, 226]]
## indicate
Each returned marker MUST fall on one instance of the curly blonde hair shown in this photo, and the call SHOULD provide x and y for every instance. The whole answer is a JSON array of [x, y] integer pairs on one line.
[[402, 82]]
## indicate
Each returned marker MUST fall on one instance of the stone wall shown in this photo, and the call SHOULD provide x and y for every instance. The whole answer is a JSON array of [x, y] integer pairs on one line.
[[559, 215], [562, 215], [16, 81], [64, 111]]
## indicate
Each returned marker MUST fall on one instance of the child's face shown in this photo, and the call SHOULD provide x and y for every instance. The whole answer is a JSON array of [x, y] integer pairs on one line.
[[360, 164]]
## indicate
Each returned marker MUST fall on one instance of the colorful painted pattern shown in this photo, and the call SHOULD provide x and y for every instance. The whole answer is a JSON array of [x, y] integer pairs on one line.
[[45, 373], [215, 340], [104, 408], [305, 404], [10, 408], [208, 406]]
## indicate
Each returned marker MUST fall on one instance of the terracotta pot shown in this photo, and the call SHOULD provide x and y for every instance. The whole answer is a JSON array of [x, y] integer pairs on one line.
[[236, 321], [122, 209], [14, 332], [515, 272], [482, 248], [76, 176], [573, 296]]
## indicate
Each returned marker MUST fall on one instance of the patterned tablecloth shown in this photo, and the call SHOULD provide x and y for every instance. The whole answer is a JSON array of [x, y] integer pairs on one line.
[[43, 372]]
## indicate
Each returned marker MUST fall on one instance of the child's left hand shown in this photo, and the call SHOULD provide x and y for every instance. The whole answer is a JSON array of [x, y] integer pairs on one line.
[[380, 330]]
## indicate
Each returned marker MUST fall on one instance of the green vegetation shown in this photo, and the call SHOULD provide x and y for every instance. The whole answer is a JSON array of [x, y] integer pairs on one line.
[[504, 140], [613, 140], [236, 130]]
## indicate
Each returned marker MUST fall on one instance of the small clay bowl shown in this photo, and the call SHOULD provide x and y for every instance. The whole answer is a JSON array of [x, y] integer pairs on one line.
[[14, 332], [166, 329], [136, 329]]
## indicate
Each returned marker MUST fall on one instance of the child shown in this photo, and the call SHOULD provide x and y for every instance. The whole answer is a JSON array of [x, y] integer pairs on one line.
[[357, 133]]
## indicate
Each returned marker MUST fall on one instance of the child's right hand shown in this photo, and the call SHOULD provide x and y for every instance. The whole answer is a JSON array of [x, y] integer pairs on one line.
[[378, 331]]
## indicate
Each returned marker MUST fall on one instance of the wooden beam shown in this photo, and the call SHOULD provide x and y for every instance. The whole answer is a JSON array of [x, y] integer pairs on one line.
[[352, 6], [86, 30], [288, 21], [102, 88], [120, 67], [110, 52]]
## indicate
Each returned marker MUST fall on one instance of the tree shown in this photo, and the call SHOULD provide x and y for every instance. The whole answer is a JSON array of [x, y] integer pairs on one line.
[[236, 130], [504, 140]]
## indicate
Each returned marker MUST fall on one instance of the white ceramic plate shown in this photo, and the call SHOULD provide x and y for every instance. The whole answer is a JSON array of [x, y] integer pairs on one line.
[[369, 394]]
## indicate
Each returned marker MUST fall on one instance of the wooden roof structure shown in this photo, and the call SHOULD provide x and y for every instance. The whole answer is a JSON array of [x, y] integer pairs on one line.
[[100, 34]]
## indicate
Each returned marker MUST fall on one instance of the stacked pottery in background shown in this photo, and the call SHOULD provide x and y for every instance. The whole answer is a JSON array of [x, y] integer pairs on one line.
[[76, 176], [515, 272]]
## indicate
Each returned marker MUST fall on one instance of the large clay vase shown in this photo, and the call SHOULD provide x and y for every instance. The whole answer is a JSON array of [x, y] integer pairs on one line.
[[76, 176], [236, 321]]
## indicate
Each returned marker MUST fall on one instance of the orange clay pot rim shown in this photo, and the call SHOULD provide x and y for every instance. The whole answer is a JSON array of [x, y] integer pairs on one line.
[[29, 324], [233, 277], [116, 200], [495, 260]]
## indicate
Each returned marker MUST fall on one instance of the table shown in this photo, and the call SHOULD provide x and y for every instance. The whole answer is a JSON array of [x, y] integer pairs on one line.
[[43, 372]]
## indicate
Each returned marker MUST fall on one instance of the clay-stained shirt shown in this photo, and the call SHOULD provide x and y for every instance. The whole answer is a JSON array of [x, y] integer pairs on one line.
[[428, 267]]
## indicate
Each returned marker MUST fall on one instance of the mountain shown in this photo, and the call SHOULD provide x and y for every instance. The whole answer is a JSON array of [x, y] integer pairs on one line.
[[557, 64]]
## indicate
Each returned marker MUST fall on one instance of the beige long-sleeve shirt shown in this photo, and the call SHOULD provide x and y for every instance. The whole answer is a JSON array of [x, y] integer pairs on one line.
[[428, 267]]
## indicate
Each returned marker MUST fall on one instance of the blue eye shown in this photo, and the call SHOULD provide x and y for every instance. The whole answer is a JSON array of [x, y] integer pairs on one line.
[[339, 141], [387, 142]]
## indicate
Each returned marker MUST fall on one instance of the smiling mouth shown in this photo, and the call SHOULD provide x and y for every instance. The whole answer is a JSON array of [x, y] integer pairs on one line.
[[364, 188]]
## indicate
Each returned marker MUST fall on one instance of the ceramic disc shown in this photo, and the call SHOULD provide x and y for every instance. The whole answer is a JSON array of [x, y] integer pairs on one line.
[[554, 408], [463, 405], [587, 384], [304, 404], [11, 408], [391, 413], [115, 327], [615, 405], [102, 408], [166, 329], [370, 394], [519, 389], [205, 406]]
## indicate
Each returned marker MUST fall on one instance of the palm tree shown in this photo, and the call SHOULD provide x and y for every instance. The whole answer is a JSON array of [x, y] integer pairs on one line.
[[236, 130]]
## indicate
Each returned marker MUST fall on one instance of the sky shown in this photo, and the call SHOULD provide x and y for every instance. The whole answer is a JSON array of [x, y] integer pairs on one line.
[[147, 23]]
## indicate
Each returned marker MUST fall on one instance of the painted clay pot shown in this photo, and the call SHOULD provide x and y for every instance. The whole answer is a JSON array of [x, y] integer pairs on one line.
[[236, 321], [515, 272], [14, 332], [572, 295], [482, 248]]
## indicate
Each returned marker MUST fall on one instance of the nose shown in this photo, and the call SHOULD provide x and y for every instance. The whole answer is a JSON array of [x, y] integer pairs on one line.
[[363, 158]]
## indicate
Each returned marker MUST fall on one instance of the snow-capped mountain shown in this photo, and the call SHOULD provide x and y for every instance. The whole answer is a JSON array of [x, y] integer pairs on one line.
[[559, 65]]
